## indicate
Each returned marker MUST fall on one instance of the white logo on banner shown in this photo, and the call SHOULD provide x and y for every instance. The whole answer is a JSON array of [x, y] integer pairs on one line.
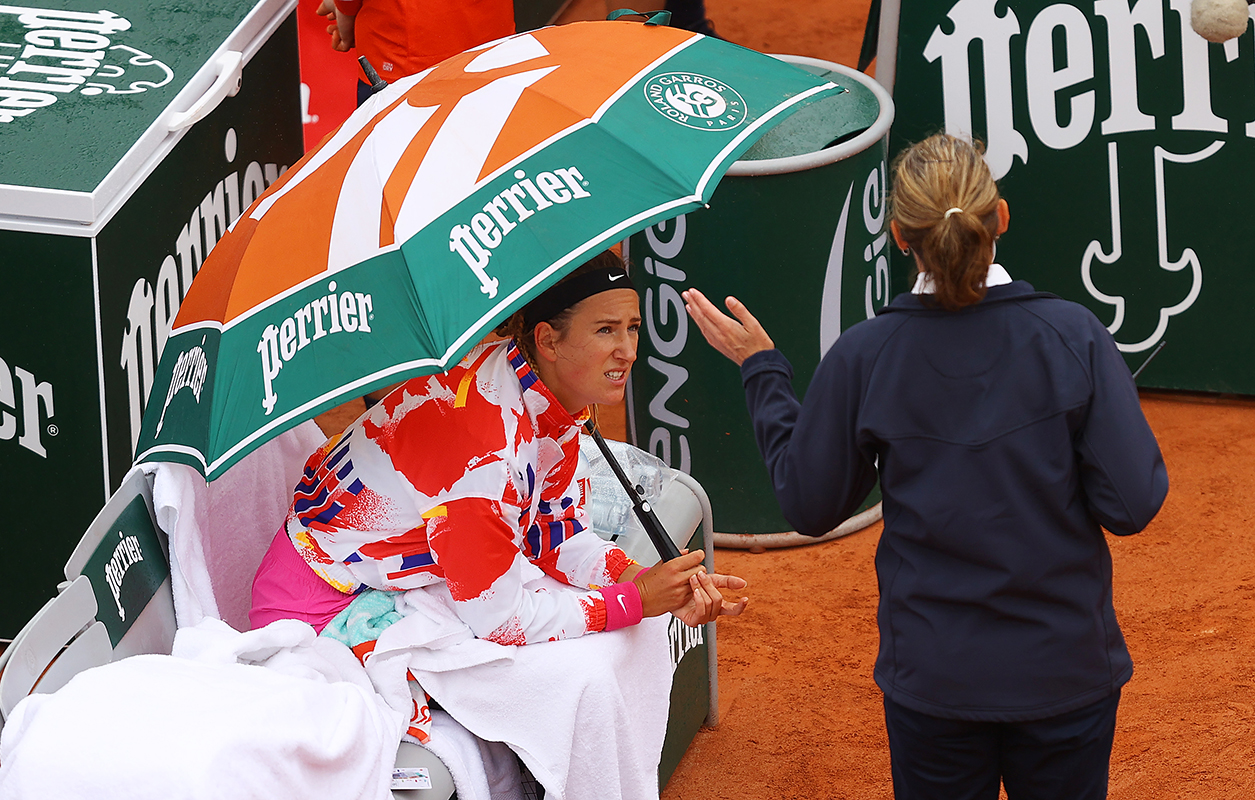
[[1063, 84], [34, 395], [153, 304]]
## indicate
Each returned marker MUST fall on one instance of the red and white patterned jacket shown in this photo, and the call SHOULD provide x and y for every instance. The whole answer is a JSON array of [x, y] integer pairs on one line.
[[467, 477]]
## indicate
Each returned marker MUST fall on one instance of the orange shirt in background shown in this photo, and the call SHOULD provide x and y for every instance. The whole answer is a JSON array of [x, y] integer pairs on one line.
[[402, 37]]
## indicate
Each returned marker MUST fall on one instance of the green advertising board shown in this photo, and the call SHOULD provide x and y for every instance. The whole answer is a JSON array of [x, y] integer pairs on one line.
[[133, 136], [1120, 138], [798, 231]]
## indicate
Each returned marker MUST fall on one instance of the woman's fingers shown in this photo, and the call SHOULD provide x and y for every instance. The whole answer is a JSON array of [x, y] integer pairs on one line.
[[666, 587], [739, 338], [733, 609], [728, 581], [702, 602]]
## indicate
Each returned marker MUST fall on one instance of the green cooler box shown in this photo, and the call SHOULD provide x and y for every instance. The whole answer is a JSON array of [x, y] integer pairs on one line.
[[798, 231], [133, 134]]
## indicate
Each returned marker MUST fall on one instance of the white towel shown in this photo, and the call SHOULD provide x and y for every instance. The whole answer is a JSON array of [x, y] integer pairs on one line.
[[220, 531], [589, 721], [215, 725], [481, 770], [587, 715]]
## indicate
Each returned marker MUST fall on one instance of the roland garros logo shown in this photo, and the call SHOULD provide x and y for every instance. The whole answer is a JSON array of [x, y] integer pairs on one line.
[[696, 101]]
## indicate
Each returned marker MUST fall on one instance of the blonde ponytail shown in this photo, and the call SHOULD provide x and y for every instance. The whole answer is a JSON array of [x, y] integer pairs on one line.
[[945, 202]]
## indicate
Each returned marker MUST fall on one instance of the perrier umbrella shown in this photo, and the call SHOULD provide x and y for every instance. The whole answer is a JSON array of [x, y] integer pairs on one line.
[[442, 205]]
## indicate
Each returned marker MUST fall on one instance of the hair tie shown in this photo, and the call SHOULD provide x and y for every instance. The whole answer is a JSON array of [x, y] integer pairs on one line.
[[950, 211]]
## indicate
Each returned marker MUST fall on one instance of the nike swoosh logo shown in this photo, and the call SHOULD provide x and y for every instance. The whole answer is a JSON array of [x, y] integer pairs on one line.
[[616, 277], [622, 604]]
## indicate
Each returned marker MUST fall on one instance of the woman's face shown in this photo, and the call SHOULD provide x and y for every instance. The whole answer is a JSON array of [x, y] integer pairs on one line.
[[589, 361]]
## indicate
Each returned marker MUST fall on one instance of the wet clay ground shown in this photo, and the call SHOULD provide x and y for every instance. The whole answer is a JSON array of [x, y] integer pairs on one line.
[[801, 717]]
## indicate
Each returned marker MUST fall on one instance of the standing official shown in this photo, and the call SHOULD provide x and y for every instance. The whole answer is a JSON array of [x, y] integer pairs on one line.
[[1006, 433]]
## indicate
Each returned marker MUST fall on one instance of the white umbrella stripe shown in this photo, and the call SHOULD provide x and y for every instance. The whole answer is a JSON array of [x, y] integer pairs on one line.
[[350, 128], [360, 202], [457, 154], [507, 53]]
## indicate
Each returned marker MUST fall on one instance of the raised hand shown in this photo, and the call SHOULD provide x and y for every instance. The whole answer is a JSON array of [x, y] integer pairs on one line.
[[739, 338]]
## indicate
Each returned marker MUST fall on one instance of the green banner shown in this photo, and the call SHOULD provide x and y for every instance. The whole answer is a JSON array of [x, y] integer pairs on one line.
[[1120, 138]]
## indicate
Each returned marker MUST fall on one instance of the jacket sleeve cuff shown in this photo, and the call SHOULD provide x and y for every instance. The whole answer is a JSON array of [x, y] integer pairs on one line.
[[623, 605], [765, 361], [617, 563]]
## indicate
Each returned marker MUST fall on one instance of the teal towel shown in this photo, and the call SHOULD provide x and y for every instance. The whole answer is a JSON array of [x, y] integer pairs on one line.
[[365, 618]]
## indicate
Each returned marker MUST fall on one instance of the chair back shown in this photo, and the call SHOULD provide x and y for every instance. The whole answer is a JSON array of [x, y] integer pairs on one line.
[[116, 602], [65, 634], [125, 556]]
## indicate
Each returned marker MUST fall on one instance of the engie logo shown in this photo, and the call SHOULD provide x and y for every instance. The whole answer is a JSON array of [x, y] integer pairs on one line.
[[695, 101], [63, 52], [662, 309], [332, 313]]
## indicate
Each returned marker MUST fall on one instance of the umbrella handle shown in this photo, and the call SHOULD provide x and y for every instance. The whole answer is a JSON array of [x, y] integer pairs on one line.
[[644, 512], [377, 84], [651, 17]]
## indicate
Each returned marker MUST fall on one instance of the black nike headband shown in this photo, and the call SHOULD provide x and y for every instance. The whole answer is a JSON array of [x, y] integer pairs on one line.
[[561, 296]]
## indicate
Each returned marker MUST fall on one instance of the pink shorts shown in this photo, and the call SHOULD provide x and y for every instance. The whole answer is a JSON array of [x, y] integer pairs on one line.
[[286, 588]]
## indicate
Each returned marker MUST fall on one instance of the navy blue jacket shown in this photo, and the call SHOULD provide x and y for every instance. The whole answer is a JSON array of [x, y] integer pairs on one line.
[[1005, 435]]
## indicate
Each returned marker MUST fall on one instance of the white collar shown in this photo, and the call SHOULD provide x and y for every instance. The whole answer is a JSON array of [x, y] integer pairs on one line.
[[996, 276]]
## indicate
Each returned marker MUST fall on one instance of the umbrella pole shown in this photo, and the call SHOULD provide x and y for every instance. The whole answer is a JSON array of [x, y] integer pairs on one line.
[[649, 520], [377, 84]]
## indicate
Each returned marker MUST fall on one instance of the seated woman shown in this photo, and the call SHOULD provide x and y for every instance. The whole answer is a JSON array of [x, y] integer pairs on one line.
[[468, 479], [465, 477]]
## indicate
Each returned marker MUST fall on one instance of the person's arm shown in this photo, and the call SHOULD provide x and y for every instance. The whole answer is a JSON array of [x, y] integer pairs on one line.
[[473, 542], [817, 470], [819, 473], [586, 560], [1122, 470]]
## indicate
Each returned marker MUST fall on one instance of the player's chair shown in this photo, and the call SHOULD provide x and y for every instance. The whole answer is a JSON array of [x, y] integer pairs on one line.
[[116, 602]]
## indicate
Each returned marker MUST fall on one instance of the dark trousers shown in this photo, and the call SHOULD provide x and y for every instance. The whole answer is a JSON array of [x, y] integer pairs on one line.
[[1066, 757]]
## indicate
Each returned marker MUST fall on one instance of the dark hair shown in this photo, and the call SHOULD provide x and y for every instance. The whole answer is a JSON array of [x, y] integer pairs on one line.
[[524, 334], [945, 202]]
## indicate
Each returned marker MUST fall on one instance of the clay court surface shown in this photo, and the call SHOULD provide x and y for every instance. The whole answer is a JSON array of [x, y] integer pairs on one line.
[[801, 716]]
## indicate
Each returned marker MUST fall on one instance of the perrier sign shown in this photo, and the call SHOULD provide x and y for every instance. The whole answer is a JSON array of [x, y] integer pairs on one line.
[[1124, 143], [110, 199]]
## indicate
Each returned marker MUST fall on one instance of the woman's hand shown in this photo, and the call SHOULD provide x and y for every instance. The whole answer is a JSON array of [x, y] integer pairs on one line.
[[682, 587], [738, 340], [707, 603]]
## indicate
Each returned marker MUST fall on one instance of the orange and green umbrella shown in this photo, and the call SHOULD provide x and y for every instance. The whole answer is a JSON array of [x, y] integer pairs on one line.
[[446, 202]]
